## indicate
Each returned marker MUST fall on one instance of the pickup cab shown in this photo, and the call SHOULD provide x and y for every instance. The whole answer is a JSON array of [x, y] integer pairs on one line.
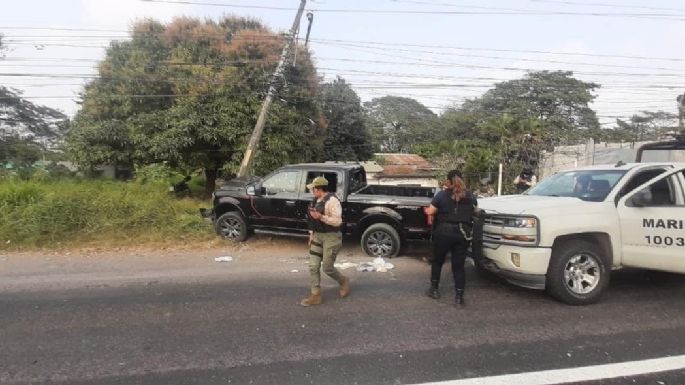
[[570, 231], [385, 217]]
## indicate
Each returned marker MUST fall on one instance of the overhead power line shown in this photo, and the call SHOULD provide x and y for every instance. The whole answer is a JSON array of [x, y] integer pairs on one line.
[[494, 11], [378, 43], [407, 44], [608, 5], [384, 51]]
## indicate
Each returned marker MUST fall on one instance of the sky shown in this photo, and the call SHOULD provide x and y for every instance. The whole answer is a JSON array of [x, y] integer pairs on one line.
[[436, 51]]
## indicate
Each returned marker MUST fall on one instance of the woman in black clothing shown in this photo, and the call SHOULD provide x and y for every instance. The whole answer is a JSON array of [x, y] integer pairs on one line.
[[453, 210]]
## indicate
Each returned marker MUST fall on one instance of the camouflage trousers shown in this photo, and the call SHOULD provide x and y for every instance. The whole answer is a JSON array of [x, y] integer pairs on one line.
[[323, 251]]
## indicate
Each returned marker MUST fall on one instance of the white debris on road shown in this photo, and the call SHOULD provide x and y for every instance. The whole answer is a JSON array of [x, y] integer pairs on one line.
[[223, 259], [345, 265], [294, 271], [378, 265]]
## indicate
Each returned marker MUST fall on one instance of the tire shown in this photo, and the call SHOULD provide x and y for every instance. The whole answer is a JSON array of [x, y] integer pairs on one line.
[[232, 226], [381, 240], [578, 273]]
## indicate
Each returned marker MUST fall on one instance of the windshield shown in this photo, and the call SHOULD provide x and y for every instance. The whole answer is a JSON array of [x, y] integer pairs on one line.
[[589, 185]]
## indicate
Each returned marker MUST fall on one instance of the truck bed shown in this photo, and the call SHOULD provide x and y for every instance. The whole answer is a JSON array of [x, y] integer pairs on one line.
[[397, 191], [371, 199]]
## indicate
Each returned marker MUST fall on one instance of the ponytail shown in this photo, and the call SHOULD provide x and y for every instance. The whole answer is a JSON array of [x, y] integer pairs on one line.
[[459, 188]]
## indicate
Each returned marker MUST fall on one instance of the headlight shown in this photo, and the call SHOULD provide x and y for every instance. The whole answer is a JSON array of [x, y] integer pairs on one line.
[[520, 222], [512, 230]]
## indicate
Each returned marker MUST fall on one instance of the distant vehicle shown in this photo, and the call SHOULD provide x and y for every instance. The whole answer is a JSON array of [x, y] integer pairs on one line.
[[668, 151], [384, 216], [567, 233]]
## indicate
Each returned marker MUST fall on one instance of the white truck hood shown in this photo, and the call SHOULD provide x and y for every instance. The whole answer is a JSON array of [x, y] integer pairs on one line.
[[529, 204]]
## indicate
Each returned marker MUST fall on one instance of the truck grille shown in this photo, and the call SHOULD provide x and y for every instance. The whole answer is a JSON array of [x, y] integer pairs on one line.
[[493, 221]]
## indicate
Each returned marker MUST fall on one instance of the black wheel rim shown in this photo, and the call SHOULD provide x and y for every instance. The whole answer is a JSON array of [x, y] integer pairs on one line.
[[231, 228], [379, 243]]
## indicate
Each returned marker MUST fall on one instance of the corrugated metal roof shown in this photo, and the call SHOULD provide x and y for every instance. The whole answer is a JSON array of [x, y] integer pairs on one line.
[[403, 160]]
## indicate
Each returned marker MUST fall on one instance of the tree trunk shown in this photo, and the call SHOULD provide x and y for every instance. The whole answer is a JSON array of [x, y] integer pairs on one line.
[[210, 175]]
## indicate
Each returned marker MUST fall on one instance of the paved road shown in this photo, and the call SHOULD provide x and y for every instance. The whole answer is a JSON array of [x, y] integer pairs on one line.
[[239, 324]]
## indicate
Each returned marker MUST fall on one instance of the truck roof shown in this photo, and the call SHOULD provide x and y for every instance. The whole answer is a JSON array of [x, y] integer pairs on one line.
[[626, 166], [323, 166]]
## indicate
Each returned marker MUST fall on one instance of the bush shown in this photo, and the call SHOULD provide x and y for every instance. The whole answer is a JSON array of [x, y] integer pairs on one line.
[[157, 172], [42, 213]]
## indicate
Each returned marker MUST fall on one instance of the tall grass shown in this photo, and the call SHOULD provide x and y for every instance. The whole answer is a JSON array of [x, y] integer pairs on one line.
[[45, 214]]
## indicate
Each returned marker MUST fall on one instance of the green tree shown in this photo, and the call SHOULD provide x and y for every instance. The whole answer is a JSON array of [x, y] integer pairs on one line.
[[21, 152], [648, 125], [398, 123], [25, 119], [514, 142], [189, 93], [27, 130], [348, 137], [555, 98], [513, 123]]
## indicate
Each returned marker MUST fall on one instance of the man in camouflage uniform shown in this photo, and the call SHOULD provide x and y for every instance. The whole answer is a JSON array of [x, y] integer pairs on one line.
[[325, 240]]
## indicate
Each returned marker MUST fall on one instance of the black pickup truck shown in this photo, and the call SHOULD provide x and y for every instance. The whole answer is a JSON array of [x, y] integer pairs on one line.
[[385, 216]]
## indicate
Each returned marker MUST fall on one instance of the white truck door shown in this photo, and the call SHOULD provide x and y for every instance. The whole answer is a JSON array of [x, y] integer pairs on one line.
[[652, 220]]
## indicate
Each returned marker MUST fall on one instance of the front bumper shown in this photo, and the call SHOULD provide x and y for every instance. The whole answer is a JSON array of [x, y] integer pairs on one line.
[[532, 271]]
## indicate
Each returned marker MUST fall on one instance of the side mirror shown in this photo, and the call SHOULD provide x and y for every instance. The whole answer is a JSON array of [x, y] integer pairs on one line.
[[251, 191], [641, 199]]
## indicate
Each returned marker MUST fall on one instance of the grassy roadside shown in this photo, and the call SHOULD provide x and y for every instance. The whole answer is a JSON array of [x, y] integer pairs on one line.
[[93, 212]]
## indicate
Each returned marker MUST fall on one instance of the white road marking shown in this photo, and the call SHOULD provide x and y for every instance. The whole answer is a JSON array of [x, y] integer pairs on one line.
[[586, 373]]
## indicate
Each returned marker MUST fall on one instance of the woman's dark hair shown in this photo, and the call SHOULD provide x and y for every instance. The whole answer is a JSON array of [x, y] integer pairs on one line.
[[452, 174]]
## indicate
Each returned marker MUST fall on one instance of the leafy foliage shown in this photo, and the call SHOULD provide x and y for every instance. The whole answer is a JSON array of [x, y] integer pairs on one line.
[[20, 118], [189, 93], [348, 137], [512, 123], [648, 125], [19, 152], [555, 98], [398, 122]]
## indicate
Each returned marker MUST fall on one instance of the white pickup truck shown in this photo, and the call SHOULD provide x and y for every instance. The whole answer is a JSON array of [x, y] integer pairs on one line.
[[570, 231]]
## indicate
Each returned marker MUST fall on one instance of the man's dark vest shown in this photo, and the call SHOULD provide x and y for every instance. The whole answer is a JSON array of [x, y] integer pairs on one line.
[[320, 206], [458, 212], [522, 185]]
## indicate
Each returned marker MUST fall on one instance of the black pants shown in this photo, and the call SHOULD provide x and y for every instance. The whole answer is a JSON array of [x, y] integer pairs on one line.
[[457, 245]]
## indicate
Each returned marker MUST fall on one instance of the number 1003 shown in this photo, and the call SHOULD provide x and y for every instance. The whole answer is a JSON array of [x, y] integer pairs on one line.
[[667, 241]]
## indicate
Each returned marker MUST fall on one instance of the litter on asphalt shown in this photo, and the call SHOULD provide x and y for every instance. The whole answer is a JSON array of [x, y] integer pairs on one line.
[[378, 265], [223, 259], [345, 265]]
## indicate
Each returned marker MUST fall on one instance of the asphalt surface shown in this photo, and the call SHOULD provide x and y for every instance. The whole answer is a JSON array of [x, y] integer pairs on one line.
[[239, 323]]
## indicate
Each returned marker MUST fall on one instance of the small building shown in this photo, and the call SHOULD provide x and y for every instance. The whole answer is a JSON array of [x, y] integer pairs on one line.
[[400, 170], [406, 170]]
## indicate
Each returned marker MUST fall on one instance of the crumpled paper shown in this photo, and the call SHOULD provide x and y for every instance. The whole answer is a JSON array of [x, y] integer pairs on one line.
[[223, 259], [379, 265], [345, 265]]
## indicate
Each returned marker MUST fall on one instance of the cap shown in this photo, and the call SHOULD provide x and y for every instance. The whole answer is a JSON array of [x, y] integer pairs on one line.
[[319, 181]]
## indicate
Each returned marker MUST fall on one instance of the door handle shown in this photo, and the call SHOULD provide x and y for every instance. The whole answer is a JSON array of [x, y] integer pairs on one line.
[[290, 203]]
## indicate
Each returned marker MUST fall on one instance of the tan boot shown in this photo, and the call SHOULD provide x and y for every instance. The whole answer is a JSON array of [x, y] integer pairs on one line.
[[345, 287], [313, 299]]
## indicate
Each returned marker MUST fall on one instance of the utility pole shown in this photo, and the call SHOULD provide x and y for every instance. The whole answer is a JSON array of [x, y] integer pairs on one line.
[[259, 127]]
